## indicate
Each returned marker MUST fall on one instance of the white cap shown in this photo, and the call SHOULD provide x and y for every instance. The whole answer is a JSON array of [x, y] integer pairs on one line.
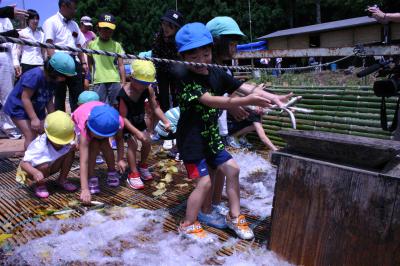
[[87, 21]]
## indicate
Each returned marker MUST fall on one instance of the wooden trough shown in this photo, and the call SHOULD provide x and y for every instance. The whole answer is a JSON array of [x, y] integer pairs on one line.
[[331, 210]]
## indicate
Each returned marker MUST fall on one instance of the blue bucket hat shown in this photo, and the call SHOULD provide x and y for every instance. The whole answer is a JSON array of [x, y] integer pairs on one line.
[[192, 36], [103, 121]]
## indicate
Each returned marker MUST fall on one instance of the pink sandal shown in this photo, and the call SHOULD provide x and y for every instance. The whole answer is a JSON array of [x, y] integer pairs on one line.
[[41, 191]]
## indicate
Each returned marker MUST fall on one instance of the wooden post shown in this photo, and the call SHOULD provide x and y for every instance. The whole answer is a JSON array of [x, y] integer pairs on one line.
[[330, 213]]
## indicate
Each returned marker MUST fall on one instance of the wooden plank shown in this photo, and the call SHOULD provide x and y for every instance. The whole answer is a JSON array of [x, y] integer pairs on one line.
[[336, 39], [11, 148], [324, 214]]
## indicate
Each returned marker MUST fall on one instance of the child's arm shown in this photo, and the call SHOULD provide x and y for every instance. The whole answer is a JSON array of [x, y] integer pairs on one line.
[[123, 111], [222, 102], [35, 173], [50, 107], [121, 69], [119, 138], [26, 101], [84, 169], [157, 110]]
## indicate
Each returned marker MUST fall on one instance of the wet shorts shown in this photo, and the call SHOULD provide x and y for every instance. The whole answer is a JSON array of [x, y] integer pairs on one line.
[[197, 169]]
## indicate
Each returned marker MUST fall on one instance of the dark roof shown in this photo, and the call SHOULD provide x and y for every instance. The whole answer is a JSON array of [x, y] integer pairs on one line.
[[334, 25]]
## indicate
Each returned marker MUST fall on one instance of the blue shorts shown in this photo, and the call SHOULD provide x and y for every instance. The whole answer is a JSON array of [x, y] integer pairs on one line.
[[197, 169]]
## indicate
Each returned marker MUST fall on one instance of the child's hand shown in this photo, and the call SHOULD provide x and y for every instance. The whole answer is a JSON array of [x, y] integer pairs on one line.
[[168, 126], [255, 99], [38, 176], [85, 196], [122, 166], [140, 136], [37, 125]]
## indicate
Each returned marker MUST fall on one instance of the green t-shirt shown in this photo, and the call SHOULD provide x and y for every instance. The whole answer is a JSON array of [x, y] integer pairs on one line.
[[105, 67]]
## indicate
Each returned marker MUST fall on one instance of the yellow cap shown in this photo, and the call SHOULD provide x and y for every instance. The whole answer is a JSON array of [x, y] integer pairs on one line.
[[59, 128], [143, 71]]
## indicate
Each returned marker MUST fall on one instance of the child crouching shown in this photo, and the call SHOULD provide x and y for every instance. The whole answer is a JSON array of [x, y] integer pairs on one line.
[[50, 153], [131, 100]]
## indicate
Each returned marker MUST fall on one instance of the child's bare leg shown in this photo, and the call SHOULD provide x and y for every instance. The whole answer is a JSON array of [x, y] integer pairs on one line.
[[196, 199], [25, 127], [231, 171], [45, 169], [108, 155], [206, 207], [132, 147], [94, 149], [218, 187], [146, 148]]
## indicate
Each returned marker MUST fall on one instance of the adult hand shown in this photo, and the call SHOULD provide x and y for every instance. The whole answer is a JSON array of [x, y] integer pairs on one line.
[[85, 196], [20, 13], [167, 126], [18, 71], [37, 125], [377, 14], [238, 113]]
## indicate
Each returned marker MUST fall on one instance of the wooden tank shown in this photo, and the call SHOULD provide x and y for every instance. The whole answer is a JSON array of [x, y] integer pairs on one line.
[[337, 200]]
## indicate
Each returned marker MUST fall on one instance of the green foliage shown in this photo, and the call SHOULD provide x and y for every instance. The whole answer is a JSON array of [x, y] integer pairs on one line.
[[139, 20]]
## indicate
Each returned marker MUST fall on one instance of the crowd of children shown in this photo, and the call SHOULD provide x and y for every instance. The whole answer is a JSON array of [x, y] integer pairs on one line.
[[116, 108]]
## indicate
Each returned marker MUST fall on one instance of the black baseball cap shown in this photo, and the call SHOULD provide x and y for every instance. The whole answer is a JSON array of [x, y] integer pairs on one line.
[[173, 16], [107, 21]]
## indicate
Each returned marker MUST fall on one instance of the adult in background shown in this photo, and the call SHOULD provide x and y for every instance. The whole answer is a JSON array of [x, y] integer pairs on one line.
[[28, 57], [6, 66], [384, 18], [60, 29], [86, 26], [164, 47]]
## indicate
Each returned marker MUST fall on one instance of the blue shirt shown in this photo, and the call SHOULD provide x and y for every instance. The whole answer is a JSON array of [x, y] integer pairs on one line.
[[34, 80]]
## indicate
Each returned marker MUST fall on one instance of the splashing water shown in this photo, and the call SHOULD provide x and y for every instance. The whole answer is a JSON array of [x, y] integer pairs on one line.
[[126, 236], [257, 183]]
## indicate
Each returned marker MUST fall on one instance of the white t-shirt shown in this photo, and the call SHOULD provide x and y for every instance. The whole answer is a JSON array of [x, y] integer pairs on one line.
[[63, 32], [41, 151], [30, 55]]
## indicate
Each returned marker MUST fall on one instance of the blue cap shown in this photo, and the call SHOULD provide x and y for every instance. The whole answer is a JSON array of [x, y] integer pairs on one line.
[[192, 36], [103, 121]]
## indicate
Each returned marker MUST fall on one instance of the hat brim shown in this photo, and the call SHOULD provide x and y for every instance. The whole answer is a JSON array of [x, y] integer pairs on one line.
[[101, 134], [60, 141], [144, 82], [107, 25], [195, 44], [233, 32], [171, 21], [89, 24]]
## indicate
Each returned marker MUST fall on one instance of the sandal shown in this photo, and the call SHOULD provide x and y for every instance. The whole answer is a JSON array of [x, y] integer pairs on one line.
[[94, 185], [68, 186], [41, 191], [112, 179]]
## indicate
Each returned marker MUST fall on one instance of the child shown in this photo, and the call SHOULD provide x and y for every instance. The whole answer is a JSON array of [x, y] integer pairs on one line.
[[88, 96], [95, 122], [198, 137], [107, 78], [32, 96], [164, 47], [131, 106], [50, 153], [227, 34]]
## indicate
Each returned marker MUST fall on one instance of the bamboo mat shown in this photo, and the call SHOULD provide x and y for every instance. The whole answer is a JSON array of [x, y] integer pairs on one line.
[[18, 204]]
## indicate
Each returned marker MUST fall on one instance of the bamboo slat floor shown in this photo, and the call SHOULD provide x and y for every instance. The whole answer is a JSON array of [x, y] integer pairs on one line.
[[18, 204]]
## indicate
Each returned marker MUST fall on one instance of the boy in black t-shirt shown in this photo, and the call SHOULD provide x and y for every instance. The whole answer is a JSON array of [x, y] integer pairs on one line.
[[199, 143]]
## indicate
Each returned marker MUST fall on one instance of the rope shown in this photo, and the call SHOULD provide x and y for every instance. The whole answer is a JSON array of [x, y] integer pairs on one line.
[[4, 39]]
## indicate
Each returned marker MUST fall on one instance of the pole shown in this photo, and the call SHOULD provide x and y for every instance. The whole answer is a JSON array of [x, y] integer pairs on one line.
[[176, 5]]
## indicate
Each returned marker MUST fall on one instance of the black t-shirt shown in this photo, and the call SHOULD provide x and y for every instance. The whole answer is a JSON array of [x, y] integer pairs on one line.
[[136, 110], [197, 132]]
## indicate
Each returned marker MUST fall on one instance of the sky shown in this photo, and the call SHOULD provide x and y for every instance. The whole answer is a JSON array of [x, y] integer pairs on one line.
[[45, 8]]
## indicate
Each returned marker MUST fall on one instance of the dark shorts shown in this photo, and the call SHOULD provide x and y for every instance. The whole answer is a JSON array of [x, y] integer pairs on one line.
[[197, 169]]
